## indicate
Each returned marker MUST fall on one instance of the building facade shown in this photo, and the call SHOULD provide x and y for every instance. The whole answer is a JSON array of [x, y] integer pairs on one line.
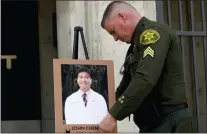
[[56, 21]]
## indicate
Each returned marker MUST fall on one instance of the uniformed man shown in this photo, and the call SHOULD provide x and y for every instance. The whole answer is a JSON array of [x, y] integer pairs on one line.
[[152, 87]]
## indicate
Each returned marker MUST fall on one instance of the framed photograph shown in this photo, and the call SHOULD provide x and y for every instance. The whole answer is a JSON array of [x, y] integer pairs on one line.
[[83, 93]]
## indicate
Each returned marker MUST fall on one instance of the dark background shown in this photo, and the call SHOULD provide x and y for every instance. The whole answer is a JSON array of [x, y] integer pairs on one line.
[[20, 86], [69, 80]]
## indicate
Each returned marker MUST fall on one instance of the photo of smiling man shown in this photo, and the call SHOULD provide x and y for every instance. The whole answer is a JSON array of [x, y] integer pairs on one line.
[[85, 106]]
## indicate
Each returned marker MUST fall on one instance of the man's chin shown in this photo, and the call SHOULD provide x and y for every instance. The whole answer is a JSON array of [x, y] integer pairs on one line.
[[127, 42], [84, 88]]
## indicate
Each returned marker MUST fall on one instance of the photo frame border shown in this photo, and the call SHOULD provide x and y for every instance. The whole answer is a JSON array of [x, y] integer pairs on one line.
[[60, 127]]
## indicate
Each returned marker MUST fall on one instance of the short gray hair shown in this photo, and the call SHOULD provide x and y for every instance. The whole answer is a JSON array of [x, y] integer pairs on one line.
[[110, 8]]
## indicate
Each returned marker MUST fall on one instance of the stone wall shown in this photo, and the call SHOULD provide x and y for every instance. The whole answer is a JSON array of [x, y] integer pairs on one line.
[[47, 54]]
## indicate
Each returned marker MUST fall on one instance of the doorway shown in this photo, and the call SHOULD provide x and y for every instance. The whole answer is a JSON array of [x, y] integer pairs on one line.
[[21, 92]]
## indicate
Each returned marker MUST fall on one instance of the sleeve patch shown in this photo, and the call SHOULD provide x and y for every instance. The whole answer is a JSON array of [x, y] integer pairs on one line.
[[149, 36], [148, 51]]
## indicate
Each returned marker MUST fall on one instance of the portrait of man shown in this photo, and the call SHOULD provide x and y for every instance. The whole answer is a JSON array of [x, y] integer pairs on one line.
[[83, 102]]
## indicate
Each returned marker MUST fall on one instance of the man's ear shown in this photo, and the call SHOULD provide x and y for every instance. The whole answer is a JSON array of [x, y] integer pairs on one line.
[[122, 16]]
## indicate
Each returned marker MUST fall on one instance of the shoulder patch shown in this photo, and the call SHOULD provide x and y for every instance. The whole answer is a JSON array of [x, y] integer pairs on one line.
[[148, 51], [149, 36]]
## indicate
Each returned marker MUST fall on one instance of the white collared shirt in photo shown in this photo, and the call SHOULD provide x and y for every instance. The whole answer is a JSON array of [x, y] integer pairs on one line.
[[77, 113]]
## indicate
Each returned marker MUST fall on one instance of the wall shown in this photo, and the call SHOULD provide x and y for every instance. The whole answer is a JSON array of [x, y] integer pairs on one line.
[[47, 53], [100, 44]]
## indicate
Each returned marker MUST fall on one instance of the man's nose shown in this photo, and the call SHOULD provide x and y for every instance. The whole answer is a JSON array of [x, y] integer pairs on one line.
[[84, 79], [115, 37]]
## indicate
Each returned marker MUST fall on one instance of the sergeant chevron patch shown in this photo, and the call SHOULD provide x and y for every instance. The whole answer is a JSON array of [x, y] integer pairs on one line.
[[148, 51]]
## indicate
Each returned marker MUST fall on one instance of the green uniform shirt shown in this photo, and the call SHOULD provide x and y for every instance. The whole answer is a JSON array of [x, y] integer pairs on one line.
[[156, 61]]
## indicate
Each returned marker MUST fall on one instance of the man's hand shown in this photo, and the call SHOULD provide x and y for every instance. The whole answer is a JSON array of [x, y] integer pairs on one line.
[[108, 124]]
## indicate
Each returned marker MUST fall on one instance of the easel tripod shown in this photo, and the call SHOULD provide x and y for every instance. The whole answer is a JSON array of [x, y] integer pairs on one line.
[[78, 29]]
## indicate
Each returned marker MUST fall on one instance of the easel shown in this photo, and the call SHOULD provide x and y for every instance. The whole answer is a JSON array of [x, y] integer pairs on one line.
[[92, 128], [78, 29]]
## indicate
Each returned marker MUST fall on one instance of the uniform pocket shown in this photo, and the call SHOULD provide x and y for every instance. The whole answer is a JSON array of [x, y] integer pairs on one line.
[[184, 126], [183, 121]]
